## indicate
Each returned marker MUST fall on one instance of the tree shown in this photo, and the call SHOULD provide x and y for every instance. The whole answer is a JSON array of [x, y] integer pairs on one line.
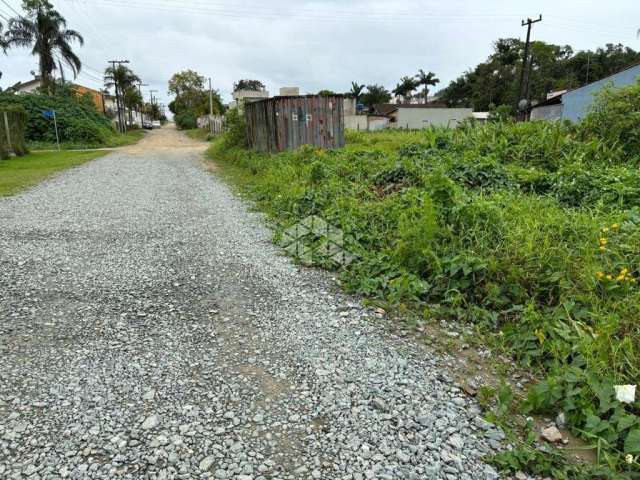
[[426, 80], [185, 82], [132, 100], [356, 91], [44, 29], [405, 88], [554, 67], [122, 79], [246, 84], [376, 94], [326, 93], [191, 96]]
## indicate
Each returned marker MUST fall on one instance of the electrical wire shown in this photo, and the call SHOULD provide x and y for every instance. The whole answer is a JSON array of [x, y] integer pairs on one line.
[[11, 8], [274, 14]]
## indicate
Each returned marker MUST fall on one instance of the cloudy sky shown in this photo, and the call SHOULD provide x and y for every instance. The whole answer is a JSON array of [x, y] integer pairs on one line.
[[315, 44]]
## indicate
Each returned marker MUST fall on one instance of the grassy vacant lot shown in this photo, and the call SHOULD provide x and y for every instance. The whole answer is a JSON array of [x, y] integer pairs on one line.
[[112, 141], [531, 232], [18, 173]]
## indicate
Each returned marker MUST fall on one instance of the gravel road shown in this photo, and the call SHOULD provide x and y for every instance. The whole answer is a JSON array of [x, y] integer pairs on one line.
[[149, 329]]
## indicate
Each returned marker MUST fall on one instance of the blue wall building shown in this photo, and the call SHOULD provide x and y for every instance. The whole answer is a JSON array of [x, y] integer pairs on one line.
[[574, 104]]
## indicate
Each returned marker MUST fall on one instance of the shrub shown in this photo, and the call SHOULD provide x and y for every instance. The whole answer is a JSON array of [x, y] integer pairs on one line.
[[614, 119], [77, 120], [186, 120]]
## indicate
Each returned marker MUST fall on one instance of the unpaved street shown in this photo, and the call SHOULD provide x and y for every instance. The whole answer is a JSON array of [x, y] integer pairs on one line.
[[149, 329]]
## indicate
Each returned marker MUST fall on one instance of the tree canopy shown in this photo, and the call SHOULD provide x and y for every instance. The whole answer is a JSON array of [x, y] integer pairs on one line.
[[554, 67], [191, 98], [375, 94], [247, 84], [44, 30]]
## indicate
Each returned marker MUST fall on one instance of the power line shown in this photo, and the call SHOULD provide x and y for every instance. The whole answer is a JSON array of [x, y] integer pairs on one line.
[[11, 8], [244, 13]]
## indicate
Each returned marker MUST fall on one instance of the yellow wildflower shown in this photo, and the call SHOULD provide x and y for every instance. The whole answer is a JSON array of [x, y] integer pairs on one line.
[[615, 226], [602, 248], [605, 229], [600, 275], [603, 241], [609, 277]]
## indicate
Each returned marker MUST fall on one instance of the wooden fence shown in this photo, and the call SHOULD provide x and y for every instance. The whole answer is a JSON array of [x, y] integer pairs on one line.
[[213, 123], [285, 123]]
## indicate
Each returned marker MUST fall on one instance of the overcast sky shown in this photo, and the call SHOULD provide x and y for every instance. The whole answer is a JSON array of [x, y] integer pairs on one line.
[[315, 44]]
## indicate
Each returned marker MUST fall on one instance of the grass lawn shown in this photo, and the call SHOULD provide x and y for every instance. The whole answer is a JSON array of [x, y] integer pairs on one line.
[[18, 173], [198, 134], [115, 140]]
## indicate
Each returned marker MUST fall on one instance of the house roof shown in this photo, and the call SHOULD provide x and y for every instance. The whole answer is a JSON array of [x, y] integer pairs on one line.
[[558, 98], [384, 109]]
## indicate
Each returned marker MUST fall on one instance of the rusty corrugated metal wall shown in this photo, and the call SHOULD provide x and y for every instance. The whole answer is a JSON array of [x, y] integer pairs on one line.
[[285, 123]]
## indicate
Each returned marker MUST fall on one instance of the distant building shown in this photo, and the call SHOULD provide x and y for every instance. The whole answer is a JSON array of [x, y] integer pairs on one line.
[[240, 97], [96, 95], [290, 91], [574, 104], [418, 116], [482, 117]]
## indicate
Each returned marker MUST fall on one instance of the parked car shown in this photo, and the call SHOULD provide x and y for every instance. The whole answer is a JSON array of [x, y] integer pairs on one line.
[[156, 124], [147, 125]]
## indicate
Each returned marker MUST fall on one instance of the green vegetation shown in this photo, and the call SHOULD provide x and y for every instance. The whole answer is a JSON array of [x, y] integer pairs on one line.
[[114, 140], [17, 120], [21, 172], [192, 99], [555, 67], [78, 120], [530, 231], [43, 29], [200, 134]]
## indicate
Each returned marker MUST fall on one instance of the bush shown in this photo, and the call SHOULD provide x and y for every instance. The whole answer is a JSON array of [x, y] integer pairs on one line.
[[614, 119], [77, 120], [235, 129], [186, 120]]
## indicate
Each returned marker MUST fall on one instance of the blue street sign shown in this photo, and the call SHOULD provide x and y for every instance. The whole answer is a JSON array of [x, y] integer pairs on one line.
[[48, 114]]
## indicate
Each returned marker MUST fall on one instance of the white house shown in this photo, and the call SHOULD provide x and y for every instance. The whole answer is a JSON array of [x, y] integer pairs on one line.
[[417, 116]]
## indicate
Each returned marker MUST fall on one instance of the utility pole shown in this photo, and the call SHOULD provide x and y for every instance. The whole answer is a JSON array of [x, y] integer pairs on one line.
[[524, 80], [140, 85], [152, 103], [119, 101], [210, 107]]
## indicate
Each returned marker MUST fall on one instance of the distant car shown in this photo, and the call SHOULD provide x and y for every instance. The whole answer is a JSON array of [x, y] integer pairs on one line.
[[156, 124], [147, 125]]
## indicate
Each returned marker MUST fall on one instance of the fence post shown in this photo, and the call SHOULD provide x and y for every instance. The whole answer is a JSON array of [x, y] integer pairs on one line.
[[6, 126]]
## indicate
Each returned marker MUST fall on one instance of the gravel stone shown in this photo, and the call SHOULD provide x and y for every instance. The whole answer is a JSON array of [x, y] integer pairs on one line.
[[149, 328]]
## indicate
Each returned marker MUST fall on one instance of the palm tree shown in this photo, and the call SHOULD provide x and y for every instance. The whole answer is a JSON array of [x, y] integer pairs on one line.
[[121, 78], [44, 30], [404, 89], [427, 80], [356, 91]]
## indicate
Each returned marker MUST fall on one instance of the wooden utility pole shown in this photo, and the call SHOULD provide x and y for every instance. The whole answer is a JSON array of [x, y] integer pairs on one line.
[[210, 107], [152, 103], [524, 77], [140, 85], [119, 100]]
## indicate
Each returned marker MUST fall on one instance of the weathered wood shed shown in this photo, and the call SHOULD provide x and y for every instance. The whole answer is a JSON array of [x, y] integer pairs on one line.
[[283, 123]]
